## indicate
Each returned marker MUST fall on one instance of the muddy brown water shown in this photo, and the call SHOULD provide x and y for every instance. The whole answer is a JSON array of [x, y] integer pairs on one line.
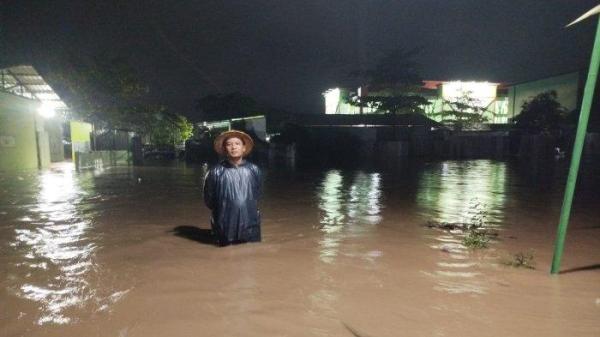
[[345, 252]]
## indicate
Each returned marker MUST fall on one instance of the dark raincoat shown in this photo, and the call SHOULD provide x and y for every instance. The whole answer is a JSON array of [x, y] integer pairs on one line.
[[232, 193]]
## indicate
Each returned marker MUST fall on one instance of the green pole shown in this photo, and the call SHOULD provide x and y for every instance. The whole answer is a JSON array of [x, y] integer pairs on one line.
[[586, 105]]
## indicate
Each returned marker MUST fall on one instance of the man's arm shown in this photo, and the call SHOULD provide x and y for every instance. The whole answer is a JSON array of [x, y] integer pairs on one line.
[[209, 189], [257, 176]]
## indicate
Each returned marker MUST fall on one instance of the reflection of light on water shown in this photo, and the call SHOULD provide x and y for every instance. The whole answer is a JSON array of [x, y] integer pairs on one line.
[[452, 191], [466, 274], [329, 248], [331, 200], [323, 299], [449, 244], [347, 212], [459, 192], [459, 287], [330, 203], [456, 264], [55, 244], [364, 202]]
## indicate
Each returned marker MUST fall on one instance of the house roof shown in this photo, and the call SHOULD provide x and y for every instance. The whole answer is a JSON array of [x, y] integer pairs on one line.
[[25, 81]]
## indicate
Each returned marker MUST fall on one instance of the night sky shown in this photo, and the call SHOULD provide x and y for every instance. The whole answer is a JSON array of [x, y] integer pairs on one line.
[[286, 52]]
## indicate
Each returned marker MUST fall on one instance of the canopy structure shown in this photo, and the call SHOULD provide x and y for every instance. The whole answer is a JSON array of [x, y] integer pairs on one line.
[[25, 81]]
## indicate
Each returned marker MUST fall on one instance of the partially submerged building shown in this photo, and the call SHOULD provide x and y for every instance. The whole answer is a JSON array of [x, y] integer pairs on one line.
[[568, 88], [30, 135], [20, 134], [33, 129], [255, 125], [500, 102]]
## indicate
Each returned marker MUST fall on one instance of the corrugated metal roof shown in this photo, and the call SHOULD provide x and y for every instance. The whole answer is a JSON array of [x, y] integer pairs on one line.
[[24, 80]]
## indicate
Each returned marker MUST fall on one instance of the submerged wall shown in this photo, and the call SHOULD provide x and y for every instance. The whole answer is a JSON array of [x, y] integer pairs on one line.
[[18, 144], [98, 159], [55, 139], [356, 144], [80, 137]]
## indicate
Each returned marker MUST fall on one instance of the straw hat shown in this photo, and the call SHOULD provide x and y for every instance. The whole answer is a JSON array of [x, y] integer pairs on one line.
[[220, 141]]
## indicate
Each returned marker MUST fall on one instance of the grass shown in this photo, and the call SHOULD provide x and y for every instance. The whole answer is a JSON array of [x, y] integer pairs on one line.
[[476, 236], [476, 239], [521, 260]]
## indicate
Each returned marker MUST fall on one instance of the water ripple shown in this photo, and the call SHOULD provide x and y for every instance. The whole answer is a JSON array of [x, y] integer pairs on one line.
[[348, 207], [57, 254], [469, 192]]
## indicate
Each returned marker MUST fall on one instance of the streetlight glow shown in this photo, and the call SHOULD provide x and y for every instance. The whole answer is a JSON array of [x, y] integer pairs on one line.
[[46, 110]]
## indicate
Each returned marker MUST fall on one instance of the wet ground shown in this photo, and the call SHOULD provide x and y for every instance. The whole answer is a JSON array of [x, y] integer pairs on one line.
[[345, 252]]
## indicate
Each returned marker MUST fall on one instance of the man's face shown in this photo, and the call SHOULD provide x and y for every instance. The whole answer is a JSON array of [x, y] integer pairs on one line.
[[234, 148]]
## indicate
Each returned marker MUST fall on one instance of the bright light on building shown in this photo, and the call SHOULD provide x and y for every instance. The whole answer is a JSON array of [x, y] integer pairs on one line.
[[332, 100], [483, 93], [46, 110]]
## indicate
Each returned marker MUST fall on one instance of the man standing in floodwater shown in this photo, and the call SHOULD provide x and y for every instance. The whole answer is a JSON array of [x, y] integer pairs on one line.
[[232, 191]]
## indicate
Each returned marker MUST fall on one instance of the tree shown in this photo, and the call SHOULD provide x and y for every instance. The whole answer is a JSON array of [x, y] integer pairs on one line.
[[101, 90], [109, 93], [396, 69], [395, 83], [396, 103], [464, 112], [167, 129], [226, 106], [542, 114], [216, 107]]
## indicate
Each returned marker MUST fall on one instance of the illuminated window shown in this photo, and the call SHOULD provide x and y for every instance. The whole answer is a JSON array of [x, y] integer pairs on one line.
[[483, 93], [332, 100]]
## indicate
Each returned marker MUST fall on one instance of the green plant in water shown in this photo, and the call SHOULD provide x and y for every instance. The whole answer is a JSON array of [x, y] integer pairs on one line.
[[478, 215], [476, 234], [521, 260], [476, 239]]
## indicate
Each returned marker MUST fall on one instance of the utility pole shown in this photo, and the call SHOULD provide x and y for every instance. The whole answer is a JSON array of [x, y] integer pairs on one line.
[[586, 105]]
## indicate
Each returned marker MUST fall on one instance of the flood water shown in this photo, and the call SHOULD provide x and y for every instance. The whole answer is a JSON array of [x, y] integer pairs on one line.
[[345, 252]]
